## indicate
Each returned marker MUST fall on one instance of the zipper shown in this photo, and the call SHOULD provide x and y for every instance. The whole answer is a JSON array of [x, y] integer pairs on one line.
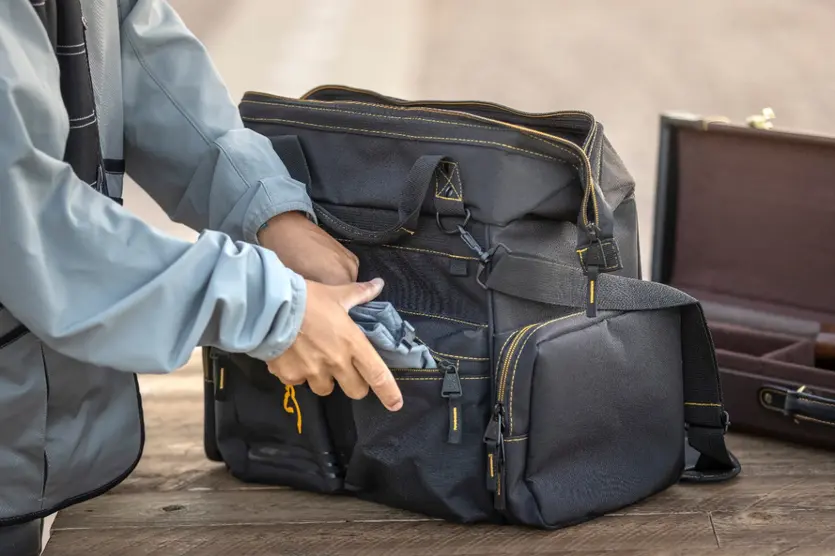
[[494, 439], [560, 114], [501, 423], [589, 194], [452, 392]]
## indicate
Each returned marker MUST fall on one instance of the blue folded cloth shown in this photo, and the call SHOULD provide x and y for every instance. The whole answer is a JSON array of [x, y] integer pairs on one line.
[[392, 337]]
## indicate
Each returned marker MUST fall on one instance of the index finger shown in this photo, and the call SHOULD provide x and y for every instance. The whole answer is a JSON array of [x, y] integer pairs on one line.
[[376, 373]]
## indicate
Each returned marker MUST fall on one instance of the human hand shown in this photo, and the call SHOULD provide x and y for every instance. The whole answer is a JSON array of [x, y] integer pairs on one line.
[[308, 250], [330, 346]]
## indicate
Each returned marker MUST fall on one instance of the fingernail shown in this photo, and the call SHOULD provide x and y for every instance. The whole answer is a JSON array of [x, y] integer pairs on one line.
[[396, 405], [378, 282]]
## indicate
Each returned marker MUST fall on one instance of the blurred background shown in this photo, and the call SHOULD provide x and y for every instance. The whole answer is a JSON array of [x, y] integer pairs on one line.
[[625, 61]]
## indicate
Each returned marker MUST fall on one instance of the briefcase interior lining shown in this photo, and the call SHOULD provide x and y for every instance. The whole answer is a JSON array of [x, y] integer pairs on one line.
[[745, 221]]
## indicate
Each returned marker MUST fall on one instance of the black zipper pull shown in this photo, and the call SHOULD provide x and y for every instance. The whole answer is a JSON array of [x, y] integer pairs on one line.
[[592, 273], [494, 440], [451, 390]]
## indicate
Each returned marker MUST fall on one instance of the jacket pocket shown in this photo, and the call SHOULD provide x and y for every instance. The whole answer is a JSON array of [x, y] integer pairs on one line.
[[426, 457], [588, 416], [23, 405], [271, 433]]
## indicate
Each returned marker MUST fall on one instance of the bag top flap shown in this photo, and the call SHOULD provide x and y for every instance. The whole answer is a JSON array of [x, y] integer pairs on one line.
[[746, 217]]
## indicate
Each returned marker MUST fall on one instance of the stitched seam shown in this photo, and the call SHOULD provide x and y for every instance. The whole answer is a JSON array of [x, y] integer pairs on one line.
[[440, 378], [702, 404], [420, 250], [500, 125], [519, 355], [401, 135], [814, 420], [441, 317], [354, 113], [513, 375], [827, 404], [517, 438], [588, 190]]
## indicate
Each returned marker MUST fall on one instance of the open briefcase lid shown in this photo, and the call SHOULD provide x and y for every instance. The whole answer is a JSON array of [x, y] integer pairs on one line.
[[745, 219]]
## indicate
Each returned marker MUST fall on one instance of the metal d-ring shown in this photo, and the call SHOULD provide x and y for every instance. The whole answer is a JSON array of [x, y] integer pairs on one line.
[[467, 215]]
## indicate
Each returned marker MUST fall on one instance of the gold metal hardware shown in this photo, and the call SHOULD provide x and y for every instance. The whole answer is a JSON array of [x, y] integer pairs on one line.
[[761, 120]]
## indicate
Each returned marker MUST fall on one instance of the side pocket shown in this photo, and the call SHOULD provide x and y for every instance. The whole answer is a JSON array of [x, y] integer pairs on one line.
[[427, 457], [23, 404], [271, 433], [591, 415]]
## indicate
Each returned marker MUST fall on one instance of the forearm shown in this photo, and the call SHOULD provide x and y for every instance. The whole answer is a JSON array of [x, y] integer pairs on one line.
[[184, 140], [95, 282]]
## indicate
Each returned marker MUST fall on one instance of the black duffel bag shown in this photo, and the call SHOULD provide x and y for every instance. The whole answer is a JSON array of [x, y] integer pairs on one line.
[[567, 387]]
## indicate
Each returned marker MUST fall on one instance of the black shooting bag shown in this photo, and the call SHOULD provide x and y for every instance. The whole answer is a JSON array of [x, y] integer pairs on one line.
[[566, 387]]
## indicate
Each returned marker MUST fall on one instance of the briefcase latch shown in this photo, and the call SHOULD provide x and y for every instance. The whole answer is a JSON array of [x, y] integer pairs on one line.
[[761, 120]]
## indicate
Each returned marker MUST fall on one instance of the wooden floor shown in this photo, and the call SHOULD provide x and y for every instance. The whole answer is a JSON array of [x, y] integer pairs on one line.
[[177, 503]]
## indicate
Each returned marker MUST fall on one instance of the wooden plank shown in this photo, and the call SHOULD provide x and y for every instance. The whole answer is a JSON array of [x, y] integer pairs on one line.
[[777, 527], [159, 509], [636, 533], [768, 492]]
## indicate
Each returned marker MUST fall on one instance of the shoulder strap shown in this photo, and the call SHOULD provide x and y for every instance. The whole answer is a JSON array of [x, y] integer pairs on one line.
[[706, 420], [66, 27]]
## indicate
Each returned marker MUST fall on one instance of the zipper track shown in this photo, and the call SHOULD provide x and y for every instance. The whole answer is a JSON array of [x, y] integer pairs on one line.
[[589, 189], [515, 341]]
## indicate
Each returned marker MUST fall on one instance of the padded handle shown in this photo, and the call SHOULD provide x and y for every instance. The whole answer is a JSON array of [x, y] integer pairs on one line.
[[799, 405]]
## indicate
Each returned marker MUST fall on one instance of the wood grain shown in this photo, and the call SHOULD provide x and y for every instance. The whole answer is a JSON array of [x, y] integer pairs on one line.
[[400, 538]]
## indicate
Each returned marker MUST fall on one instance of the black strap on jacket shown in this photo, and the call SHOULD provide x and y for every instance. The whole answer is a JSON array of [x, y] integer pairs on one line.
[[66, 27], [706, 420]]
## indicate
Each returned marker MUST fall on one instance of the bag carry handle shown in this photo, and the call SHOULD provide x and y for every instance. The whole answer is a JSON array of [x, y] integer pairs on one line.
[[799, 405], [418, 183], [414, 191], [704, 414]]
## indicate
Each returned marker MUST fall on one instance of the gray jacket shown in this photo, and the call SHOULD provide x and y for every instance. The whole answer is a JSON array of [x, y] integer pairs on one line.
[[90, 293]]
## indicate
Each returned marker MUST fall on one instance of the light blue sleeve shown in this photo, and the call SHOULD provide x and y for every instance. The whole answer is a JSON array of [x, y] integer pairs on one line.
[[93, 281], [185, 143]]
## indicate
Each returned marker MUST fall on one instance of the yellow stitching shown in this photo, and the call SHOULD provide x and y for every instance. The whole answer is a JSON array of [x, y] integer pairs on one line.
[[441, 317], [528, 132], [451, 356], [355, 113], [440, 378], [455, 418], [504, 345], [403, 135], [703, 404], [812, 419], [517, 438], [533, 133], [410, 232], [513, 376], [421, 250], [490, 459], [519, 356], [525, 131], [222, 375]]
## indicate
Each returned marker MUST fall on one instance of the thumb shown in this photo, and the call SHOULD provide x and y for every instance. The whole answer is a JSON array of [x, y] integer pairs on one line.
[[360, 292]]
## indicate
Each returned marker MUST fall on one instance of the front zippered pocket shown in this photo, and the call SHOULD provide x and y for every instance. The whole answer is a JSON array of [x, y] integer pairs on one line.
[[588, 415], [500, 425], [427, 456]]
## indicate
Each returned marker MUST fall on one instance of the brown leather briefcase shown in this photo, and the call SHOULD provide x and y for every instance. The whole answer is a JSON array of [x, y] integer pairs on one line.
[[745, 222]]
